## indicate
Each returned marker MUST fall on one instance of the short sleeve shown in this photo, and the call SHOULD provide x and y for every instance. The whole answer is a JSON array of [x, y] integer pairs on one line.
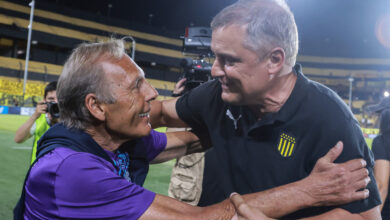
[[349, 132], [33, 128], [191, 107], [356, 147], [379, 149], [87, 187]]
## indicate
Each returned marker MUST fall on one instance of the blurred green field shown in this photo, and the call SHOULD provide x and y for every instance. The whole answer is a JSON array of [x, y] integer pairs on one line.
[[15, 158]]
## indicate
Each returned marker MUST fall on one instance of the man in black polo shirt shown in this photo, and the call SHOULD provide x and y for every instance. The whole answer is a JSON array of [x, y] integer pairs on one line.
[[381, 150], [267, 122]]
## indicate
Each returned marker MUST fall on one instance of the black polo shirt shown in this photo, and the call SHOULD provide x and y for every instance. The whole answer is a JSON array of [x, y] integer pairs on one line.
[[250, 155], [381, 150]]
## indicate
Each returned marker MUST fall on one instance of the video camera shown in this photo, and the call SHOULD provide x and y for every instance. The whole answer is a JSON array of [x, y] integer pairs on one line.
[[196, 42], [52, 109]]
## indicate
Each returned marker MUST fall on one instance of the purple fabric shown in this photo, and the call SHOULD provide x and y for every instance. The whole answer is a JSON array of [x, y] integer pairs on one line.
[[69, 184]]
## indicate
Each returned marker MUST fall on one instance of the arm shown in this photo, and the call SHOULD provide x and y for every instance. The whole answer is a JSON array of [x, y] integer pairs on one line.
[[164, 207], [23, 132], [245, 211], [179, 143], [163, 113], [328, 184], [343, 214], [382, 176]]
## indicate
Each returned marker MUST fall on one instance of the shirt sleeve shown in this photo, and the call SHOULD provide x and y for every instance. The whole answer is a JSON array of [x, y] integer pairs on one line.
[[191, 109], [154, 143], [349, 132], [87, 187], [191, 106], [33, 128], [379, 149]]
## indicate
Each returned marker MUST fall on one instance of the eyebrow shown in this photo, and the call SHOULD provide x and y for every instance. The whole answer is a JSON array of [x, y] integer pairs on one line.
[[228, 56]]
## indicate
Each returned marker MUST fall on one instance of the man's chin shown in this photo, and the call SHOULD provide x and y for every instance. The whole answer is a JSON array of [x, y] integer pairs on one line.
[[230, 98]]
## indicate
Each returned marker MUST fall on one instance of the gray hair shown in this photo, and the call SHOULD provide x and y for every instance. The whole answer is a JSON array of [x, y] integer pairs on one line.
[[269, 23], [82, 74]]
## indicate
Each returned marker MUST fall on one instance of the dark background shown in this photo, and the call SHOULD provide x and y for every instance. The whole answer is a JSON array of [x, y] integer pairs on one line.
[[336, 28]]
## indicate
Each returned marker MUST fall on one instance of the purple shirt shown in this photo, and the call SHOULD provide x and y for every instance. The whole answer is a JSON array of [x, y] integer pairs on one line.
[[69, 184]]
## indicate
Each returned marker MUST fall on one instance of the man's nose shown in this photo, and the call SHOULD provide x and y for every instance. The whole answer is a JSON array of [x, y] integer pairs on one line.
[[150, 92], [217, 70]]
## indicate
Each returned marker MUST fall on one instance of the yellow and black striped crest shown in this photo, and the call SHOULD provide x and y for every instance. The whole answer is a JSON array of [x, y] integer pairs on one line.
[[286, 145]]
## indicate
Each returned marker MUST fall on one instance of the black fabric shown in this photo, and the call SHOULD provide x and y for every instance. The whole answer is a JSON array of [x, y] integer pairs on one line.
[[384, 125], [245, 157], [381, 150]]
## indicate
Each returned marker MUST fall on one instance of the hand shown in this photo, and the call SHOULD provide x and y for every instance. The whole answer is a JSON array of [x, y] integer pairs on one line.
[[244, 211], [41, 108], [179, 87], [334, 184]]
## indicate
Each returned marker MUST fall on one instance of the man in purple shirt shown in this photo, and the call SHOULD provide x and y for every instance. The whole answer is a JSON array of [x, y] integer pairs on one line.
[[92, 164]]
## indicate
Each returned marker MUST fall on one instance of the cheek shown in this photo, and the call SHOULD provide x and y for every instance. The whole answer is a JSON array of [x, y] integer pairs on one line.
[[135, 105]]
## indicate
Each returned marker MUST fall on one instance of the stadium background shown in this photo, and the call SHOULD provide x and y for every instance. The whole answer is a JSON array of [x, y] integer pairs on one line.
[[338, 40]]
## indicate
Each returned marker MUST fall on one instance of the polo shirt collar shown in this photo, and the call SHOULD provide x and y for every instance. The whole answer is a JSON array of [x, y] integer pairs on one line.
[[297, 95]]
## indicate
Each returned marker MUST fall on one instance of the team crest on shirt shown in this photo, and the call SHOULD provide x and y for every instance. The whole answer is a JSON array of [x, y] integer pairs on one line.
[[286, 145]]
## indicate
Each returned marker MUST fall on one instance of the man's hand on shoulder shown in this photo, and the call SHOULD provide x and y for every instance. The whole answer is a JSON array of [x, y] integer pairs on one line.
[[334, 184]]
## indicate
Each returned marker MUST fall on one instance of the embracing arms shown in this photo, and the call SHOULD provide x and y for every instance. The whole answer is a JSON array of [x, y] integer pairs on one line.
[[328, 184]]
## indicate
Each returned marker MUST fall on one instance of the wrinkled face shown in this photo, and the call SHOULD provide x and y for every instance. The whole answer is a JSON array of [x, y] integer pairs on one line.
[[242, 72], [128, 117]]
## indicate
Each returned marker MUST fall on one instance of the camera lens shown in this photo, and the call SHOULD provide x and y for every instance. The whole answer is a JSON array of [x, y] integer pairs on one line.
[[53, 109]]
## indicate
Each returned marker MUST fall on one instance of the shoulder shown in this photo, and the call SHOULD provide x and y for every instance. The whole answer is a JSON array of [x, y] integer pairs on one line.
[[55, 160], [380, 149], [327, 102], [201, 102], [85, 185], [203, 92]]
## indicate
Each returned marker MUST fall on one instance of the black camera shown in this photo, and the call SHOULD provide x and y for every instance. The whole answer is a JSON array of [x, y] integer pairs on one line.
[[52, 108], [196, 41], [196, 72]]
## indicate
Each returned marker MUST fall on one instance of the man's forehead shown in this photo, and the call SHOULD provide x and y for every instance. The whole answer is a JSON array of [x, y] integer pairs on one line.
[[51, 93], [226, 35], [124, 65]]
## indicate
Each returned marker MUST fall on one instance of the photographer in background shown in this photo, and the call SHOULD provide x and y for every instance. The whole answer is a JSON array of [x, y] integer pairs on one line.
[[46, 114]]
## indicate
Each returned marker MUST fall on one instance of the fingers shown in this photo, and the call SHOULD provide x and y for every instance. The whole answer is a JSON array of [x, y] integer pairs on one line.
[[181, 82], [244, 211], [361, 184], [354, 164], [239, 203], [334, 152], [179, 87], [359, 195], [41, 107]]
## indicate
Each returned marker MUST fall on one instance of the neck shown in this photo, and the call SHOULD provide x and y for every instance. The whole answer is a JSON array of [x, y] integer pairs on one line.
[[104, 138], [280, 89]]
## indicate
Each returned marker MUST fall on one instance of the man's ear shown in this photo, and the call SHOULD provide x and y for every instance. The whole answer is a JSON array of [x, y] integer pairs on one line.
[[276, 60], [94, 107]]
